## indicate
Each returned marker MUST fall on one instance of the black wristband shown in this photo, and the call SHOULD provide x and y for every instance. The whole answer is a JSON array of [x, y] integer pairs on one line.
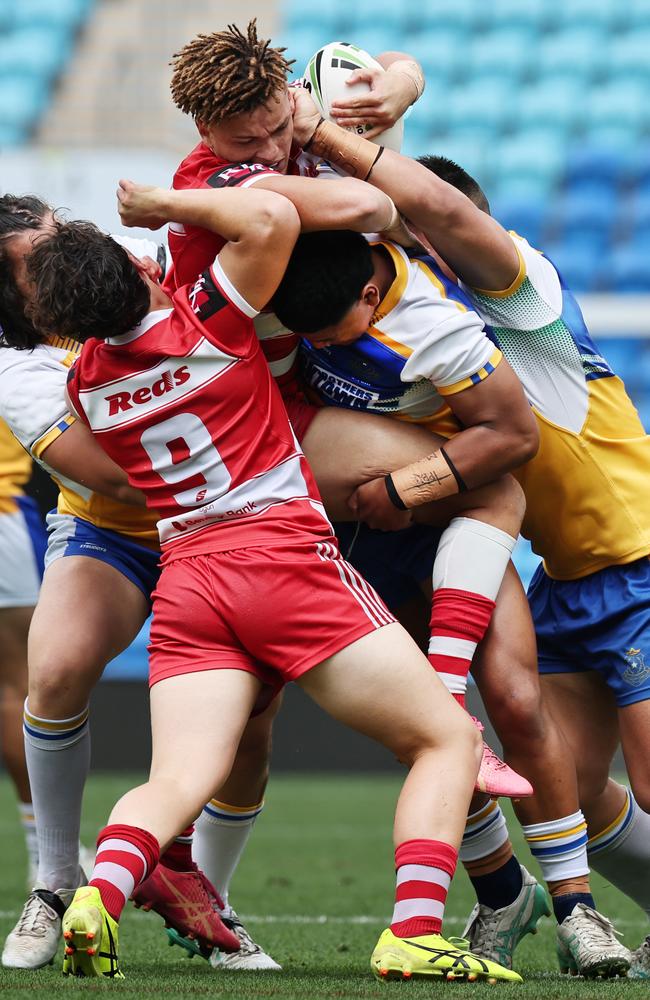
[[374, 163], [393, 495], [313, 135], [462, 485]]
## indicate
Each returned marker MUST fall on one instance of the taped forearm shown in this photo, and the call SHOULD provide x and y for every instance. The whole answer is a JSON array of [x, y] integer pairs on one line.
[[353, 154], [431, 478]]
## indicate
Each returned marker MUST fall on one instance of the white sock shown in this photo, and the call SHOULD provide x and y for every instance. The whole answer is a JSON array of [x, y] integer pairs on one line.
[[58, 761], [26, 810], [621, 852], [220, 836], [559, 846], [485, 832]]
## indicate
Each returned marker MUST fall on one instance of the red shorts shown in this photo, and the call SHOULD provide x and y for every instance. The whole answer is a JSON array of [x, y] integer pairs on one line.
[[300, 414], [275, 611]]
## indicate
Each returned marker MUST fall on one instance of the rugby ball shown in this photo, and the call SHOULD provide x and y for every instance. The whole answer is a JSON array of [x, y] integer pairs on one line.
[[325, 78]]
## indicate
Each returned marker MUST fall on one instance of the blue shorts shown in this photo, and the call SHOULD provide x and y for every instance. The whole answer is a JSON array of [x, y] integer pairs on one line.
[[601, 622], [394, 562], [72, 536]]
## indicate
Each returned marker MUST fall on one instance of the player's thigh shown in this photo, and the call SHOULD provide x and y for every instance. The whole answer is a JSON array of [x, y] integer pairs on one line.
[[383, 686], [585, 709], [87, 613], [634, 724], [200, 717], [14, 628], [345, 449]]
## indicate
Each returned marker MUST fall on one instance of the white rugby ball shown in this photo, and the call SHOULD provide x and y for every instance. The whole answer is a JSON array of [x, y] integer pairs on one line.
[[325, 77]]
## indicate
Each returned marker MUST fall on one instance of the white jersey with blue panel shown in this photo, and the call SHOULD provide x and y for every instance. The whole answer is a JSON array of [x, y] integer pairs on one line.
[[425, 342]]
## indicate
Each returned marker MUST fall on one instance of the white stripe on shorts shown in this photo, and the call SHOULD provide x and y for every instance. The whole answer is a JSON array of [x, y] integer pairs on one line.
[[362, 593]]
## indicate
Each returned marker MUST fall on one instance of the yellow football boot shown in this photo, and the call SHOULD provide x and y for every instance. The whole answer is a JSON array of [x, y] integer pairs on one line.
[[90, 936], [431, 955]]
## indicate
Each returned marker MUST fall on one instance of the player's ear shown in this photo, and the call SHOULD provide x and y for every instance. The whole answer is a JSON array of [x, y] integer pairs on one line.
[[203, 129], [370, 295]]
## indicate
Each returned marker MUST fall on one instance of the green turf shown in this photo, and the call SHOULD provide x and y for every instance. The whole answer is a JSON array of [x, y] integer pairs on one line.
[[315, 888]]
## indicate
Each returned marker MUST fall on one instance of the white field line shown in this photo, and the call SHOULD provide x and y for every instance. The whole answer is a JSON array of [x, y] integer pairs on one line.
[[303, 918]]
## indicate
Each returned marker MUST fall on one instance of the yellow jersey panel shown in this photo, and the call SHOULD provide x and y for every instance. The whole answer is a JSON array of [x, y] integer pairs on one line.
[[15, 469], [587, 488]]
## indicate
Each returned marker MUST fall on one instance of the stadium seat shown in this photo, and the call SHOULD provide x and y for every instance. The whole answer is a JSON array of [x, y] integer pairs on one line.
[[12, 134], [513, 14], [461, 15], [618, 104], [591, 210], [500, 52], [525, 215], [437, 51], [36, 52], [390, 16], [620, 354], [578, 262], [628, 271], [574, 51], [22, 100], [596, 163], [607, 14], [526, 166], [549, 103], [482, 104], [627, 55], [70, 13]]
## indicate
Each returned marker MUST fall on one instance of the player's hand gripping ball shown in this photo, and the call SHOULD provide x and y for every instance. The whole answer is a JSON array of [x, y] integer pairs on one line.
[[353, 90]]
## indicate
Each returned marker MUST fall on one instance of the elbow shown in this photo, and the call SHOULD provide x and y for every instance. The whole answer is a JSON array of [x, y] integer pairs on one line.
[[278, 216], [526, 443]]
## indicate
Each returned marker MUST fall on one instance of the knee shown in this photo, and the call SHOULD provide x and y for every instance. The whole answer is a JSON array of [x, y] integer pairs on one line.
[[518, 716], [57, 690]]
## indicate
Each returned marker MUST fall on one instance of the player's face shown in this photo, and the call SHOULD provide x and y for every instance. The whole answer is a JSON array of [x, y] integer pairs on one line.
[[353, 325], [260, 136]]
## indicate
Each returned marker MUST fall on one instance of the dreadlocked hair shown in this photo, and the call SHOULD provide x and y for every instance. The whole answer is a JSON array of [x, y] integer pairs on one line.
[[227, 73]]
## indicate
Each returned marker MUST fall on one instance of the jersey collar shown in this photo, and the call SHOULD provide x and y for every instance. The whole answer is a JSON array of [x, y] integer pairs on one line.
[[138, 331]]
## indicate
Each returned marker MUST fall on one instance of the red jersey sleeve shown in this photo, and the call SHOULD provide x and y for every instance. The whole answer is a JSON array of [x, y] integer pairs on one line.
[[226, 318]]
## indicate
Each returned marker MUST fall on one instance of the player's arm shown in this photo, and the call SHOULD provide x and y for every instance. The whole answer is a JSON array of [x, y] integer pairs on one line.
[[261, 228], [474, 245], [346, 204], [499, 434], [391, 93], [76, 455]]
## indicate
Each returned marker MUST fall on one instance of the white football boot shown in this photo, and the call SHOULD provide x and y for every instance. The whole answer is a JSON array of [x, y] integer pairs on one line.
[[250, 957], [494, 934], [587, 945], [35, 939], [640, 967]]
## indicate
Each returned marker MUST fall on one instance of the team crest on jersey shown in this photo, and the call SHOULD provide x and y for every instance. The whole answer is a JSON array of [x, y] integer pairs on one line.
[[637, 670]]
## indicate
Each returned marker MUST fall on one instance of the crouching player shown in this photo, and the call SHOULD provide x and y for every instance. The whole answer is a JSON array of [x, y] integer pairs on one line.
[[179, 392]]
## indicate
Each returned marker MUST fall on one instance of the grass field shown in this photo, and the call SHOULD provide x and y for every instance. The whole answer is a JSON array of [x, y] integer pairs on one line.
[[315, 888]]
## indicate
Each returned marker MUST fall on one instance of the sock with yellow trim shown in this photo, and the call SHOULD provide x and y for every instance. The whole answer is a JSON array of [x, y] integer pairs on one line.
[[621, 852], [220, 835], [58, 759], [560, 848], [488, 859]]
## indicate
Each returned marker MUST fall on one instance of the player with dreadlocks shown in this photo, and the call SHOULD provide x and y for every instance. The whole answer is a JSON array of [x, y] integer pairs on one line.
[[234, 86]]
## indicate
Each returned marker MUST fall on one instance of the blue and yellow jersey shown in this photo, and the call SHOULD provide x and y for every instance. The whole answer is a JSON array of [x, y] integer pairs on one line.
[[425, 342], [15, 469], [587, 488], [33, 404]]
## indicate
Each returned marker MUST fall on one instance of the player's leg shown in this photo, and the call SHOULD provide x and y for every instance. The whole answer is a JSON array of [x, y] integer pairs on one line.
[[22, 544], [14, 627], [416, 720], [472, 556], [88, 612], [222, 831], [194, 716]]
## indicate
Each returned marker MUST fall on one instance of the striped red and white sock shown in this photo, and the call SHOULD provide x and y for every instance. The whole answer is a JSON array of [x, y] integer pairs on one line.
[[470, 562], [459, 620], [178, 855], [425, 869], [125, 856]]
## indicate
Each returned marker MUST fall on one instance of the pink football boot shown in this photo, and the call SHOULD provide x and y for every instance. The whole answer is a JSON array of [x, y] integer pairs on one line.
[[189, 903], [495, 778]]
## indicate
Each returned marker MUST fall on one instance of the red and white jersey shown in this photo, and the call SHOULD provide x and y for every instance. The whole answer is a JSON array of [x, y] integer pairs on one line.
[[192, 248], [185, 403]]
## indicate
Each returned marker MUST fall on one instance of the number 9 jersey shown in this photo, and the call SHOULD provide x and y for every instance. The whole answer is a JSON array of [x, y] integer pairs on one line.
[[185, 403]]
